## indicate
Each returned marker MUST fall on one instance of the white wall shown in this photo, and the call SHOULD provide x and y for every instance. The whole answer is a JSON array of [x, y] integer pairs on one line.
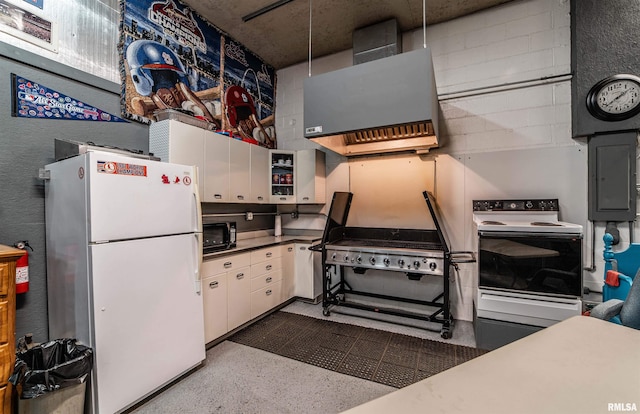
[[503, 78]]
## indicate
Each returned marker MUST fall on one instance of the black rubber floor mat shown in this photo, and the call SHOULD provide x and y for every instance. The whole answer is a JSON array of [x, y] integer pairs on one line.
[[384, 357]]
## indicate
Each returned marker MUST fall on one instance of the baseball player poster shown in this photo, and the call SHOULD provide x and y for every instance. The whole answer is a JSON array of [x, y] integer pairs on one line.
[[171, 58]]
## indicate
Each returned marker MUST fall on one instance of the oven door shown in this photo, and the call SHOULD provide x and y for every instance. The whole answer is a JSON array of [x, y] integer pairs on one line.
[[536, 263]]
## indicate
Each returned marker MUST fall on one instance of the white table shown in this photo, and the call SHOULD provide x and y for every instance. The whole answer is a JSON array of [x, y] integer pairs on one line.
[[579, 365]]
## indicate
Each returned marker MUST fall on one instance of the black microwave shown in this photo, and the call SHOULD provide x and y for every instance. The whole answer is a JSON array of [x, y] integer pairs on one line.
[[218, 236]]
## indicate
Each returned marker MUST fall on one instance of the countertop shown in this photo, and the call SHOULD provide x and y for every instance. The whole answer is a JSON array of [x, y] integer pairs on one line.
[[244, 245], [579, 365]]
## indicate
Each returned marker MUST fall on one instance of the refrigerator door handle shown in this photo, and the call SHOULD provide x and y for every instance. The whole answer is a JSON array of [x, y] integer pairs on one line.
[[198, 234], [198, 261], [196, 201]]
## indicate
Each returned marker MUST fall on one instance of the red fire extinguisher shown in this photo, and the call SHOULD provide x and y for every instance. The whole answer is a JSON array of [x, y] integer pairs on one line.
[[22, 267]]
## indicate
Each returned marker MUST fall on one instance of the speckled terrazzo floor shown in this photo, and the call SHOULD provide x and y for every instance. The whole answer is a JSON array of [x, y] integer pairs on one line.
[[239, 379]]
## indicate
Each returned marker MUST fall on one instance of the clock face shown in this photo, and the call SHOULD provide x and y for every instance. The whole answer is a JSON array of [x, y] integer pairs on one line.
[[619, 96], [615, 98]]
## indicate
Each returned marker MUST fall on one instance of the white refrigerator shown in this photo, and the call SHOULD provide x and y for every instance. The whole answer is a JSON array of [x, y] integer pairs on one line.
[[124, 249]]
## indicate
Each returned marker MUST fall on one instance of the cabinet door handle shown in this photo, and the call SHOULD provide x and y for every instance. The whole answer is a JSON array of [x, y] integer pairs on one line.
[[305, 198], [283, 198], [269, 254], [260, 198], [213, 284], [240, 276], [290, 249], [268, 267], [303, 248], [227, 265], [268, 292], [269, 279], [217, 196], [240, 197]]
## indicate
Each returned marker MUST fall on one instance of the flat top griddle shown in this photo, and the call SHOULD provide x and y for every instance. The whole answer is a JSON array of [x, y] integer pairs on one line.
[[392, 244], [415, 252]]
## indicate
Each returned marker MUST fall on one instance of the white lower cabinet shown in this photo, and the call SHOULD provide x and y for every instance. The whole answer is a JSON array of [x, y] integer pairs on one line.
[[214, 296], [305, 284], [238, 291], [241, 287], [225, 294], [288, 271]]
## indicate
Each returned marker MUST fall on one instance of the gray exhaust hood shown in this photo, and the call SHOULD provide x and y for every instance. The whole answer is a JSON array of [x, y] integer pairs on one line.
[[382, 106]]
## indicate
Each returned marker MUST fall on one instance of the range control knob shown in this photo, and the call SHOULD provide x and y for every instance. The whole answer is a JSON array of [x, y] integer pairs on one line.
[[433, 266], [372, 260], [333, 256], [401, 262], [359, 259], [416, 264], [386, 261], [346, 258]]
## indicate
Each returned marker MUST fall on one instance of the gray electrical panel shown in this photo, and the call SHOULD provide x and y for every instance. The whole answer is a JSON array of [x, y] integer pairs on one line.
[[612, 177]]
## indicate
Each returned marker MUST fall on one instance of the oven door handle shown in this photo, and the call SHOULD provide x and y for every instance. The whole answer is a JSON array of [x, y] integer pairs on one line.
[[462, 257], [316, 247]]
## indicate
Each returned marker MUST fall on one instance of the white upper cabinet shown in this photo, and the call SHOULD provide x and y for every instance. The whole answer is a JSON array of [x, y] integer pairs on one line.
[[233, 171], [216, 171], [282, 168], [239, 171], [310, 177], [259, 178], [179, 143]]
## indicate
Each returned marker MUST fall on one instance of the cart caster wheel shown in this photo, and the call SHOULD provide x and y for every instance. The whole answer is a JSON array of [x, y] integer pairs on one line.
[[325, 312], [446, 334]]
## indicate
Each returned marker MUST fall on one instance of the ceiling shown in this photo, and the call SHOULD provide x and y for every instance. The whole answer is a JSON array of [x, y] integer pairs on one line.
[[281, 36]]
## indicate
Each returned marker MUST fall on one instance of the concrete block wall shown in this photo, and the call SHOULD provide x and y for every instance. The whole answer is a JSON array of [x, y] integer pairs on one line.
[[503, 79], [515, 42]]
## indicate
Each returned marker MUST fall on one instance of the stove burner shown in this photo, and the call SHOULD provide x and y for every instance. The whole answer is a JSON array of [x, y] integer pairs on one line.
[[493, 223], [543, 223]]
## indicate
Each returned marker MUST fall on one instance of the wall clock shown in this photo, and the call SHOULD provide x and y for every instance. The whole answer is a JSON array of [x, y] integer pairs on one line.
[[615, 98]]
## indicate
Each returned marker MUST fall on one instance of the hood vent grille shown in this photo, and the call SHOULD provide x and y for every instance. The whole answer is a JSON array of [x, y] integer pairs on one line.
[[419, 129]]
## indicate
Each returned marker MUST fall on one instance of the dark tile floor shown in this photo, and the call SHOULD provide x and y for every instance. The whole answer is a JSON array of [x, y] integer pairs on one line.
[[385, 357]]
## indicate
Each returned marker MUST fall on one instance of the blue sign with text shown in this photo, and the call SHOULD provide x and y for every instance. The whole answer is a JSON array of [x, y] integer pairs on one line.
[[32, 100]]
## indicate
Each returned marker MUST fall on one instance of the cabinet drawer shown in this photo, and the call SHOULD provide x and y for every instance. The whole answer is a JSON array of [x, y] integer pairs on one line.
[[4, 279], [6, 367], [224, 264], [265, 299], [265, 254], [266, 279], [267, 266], [4, 322]]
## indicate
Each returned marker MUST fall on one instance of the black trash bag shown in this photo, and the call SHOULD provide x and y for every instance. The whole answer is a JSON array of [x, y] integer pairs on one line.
[[50, 366]]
